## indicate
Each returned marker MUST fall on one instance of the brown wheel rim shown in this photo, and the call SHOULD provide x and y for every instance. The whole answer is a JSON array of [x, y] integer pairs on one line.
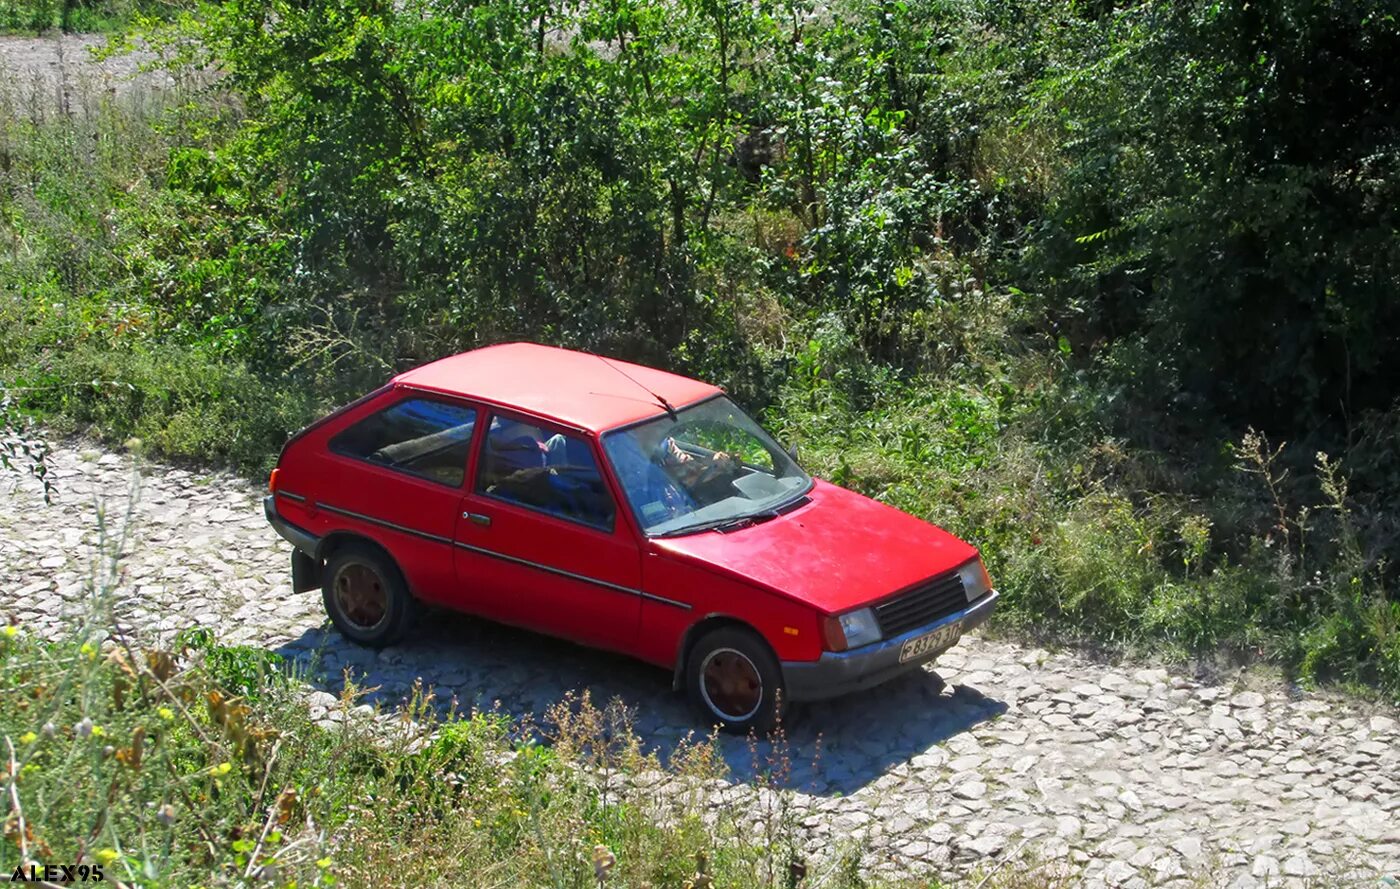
[[361, 596], [730, 684]]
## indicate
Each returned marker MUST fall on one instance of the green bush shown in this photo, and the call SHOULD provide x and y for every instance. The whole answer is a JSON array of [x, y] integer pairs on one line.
[[178, 401]]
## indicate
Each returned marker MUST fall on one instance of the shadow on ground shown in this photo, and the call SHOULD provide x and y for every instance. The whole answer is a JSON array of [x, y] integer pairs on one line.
[[834, 747]]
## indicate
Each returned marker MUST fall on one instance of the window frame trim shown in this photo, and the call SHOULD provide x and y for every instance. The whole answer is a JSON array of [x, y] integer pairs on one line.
[[407, 395]]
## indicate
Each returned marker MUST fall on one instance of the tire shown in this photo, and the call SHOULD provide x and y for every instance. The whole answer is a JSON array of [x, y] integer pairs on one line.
[[743, 658], [366, 597]]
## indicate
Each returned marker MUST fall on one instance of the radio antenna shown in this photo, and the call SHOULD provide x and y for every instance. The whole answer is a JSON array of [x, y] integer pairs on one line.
[[671, 411]]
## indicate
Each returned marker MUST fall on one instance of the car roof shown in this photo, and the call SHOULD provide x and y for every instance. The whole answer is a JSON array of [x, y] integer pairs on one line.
[[578, 389]]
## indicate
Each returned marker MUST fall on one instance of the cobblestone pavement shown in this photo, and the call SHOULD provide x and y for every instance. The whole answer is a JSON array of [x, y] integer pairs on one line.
[[1123, 775]]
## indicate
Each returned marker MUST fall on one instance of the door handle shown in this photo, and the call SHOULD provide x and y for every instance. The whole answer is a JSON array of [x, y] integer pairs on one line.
[[477, 518]]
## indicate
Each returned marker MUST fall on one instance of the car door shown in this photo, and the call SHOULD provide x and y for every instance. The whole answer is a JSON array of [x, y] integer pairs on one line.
[[541, 539]]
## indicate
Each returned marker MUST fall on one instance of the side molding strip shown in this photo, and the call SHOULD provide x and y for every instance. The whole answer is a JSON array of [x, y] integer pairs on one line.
[[383, 524], [662, 600], [548, 568]]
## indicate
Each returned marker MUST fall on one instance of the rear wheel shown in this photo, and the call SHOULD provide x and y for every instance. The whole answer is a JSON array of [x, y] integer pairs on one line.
[[734, 680], [366, 597]]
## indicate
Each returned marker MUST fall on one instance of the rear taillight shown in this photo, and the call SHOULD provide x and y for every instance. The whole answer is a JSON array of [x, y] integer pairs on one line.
[[833, 637], [272, 481]]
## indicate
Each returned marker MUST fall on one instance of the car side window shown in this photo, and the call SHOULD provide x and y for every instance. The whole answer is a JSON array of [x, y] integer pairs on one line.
[[419, 436], [552, 472]]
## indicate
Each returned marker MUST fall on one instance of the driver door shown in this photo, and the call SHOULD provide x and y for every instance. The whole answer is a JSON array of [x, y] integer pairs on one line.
[[540, 537]]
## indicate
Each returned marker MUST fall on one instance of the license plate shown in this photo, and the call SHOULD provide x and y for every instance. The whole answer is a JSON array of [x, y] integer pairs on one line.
[[937, 640]]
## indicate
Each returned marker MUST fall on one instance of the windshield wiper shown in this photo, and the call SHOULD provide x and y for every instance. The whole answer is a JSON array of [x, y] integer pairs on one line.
[[733, 523]]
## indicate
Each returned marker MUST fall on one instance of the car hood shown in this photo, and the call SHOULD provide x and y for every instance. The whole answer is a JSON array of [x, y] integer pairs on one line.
[[839, 551]]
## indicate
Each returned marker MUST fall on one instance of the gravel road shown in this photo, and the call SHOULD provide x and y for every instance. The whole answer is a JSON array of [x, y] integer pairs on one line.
[[60, 71], [1122, 775]]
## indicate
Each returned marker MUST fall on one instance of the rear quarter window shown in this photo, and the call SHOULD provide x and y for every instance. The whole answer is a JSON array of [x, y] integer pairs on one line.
[[419, 436]]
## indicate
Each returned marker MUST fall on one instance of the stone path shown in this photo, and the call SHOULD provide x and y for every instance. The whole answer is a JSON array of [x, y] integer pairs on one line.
[[1123, 776]]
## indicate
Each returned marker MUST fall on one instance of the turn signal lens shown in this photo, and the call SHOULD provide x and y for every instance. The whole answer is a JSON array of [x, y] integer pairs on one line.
[[272, 481]]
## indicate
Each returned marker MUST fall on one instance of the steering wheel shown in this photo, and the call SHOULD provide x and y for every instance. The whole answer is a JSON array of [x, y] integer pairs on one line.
[[679, 430]]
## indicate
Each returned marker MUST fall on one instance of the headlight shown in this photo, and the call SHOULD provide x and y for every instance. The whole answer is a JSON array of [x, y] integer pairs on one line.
[[859, 627], [850, 630], [976, 582]]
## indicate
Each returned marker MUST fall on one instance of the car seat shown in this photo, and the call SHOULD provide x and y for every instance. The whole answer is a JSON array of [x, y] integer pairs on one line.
[[504, 458]]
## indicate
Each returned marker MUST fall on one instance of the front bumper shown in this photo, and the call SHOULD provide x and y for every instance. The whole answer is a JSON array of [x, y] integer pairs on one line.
[[839, 673]]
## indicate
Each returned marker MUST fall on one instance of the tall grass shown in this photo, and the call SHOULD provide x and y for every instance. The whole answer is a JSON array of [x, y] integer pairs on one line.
[[35, 16]]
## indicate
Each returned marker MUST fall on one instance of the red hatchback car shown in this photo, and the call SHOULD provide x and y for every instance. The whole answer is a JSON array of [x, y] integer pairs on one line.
[[620, 507]]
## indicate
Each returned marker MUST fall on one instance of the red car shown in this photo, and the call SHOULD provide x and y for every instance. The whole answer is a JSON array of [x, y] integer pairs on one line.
[[620, 507]]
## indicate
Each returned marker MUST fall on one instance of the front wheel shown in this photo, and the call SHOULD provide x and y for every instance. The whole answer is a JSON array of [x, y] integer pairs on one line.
[[735, 682]]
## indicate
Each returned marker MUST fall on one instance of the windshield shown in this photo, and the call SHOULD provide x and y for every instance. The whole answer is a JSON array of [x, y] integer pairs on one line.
[[708, 466]]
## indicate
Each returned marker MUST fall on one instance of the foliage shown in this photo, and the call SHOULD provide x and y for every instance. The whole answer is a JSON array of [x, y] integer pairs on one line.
[[1224, 227], [77, 15], [20, 448]]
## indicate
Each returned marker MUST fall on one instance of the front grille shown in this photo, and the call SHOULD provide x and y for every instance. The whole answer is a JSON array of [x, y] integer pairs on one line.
[[922, 605]]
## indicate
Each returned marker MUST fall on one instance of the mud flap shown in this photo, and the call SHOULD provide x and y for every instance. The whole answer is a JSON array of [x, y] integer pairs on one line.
[[306, 572]]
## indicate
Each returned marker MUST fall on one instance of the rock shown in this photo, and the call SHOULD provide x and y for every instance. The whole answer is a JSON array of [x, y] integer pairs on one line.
[[1247, 700], [1119, 873], [1299, 866]]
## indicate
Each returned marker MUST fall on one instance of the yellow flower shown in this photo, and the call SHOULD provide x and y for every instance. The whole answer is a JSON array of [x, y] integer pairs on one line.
[[165, 713], [223, 768], [106, 856], [88, 650], [10, 631], [323, 863], [28, 738], [98, 731]]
